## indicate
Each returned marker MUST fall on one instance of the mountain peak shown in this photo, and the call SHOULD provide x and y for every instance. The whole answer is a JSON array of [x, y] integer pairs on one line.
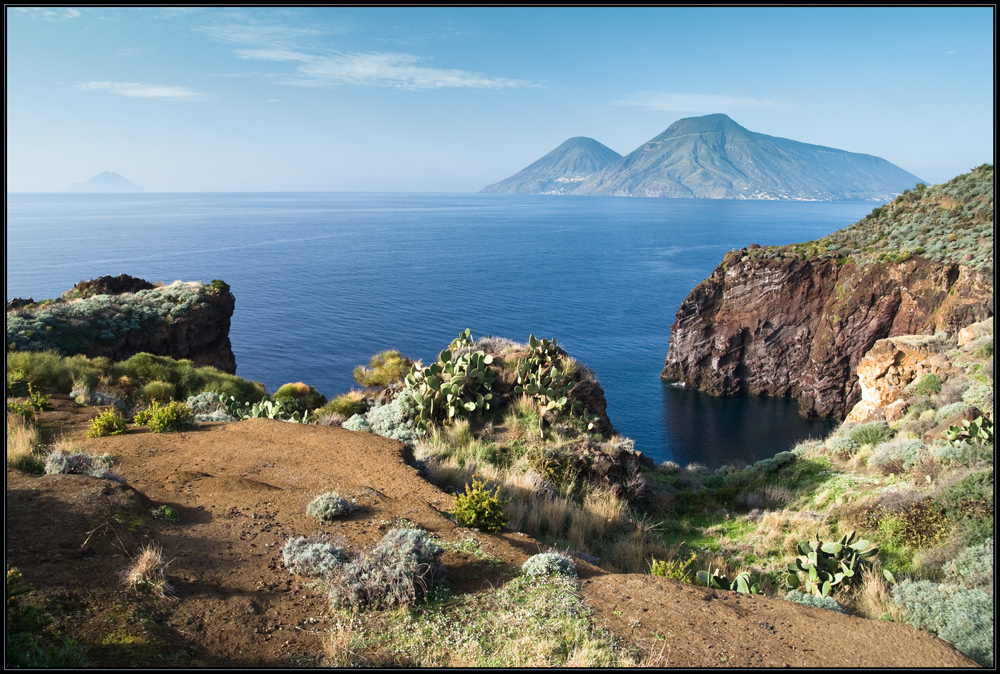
[[105, 182], [715, 123], [560, 171]]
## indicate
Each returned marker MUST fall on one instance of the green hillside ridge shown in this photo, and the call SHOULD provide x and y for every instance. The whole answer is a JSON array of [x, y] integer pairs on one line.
[[953, 222]]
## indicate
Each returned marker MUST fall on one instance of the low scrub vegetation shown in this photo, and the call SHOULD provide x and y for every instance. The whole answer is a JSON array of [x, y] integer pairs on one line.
[[921, 505]]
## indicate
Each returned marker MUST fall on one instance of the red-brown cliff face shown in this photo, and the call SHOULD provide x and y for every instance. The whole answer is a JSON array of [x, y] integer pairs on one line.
[[794, 326]]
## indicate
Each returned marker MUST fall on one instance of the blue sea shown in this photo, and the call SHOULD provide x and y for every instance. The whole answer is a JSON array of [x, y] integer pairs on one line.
[[324, 280]]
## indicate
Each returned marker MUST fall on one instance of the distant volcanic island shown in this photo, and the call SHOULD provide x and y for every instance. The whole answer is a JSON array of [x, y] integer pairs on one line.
[[104, 183], [711, 157]]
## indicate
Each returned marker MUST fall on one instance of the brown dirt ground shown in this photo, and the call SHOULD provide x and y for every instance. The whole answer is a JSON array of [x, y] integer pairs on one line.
[[241, 491]]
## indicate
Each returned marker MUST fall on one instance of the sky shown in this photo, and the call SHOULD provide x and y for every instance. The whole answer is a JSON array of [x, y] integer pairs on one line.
[[436, 99]]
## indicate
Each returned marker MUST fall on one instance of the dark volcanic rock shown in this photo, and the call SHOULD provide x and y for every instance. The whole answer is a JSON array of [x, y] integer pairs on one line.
[[19, 302], [111, 285], [791, 327]]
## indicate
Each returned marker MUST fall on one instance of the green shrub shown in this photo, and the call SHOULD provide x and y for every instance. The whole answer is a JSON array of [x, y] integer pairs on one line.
[[160, 391], [477, 508], [108, 422], [929, 383], [977, 485], [384, 368], [329, 506], [312, 557], [219, 285], [959, 615], [346, 405], [871, 434], [175, 416], [17, 383], [549, 564], [165, 512], [306, 397], [398, 571], [808, 599], [48, 370], [675, 569]]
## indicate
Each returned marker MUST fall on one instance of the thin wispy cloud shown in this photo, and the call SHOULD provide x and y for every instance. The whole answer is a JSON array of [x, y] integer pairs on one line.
[[319, 66], [401, 71], [49, 14], [144, 90], [662, 101]]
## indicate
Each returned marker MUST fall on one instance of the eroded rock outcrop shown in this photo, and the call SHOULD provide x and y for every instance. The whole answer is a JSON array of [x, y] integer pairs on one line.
[[888, 368], [182, 320], [799, 326]]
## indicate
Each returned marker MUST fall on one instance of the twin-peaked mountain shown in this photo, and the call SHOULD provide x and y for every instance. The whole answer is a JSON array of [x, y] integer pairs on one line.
[[711, 157]]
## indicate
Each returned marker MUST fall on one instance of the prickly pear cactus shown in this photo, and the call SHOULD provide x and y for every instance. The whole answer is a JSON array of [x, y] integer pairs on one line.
[[453, 386], [823, 566]]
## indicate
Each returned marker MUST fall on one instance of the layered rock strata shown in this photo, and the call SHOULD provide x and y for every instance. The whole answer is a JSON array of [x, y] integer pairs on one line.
[[799, 326]]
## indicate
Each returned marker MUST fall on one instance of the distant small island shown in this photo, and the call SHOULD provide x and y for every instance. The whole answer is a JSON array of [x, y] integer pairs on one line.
[[106, 182], [711, 157]]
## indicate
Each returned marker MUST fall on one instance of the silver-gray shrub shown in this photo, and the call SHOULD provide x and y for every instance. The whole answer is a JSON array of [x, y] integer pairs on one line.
[[357, 423], [963, 616], [949, 411], [81, 463], [209, 406], [973, 567], [964, 453], [398, 571], [895, 454], [396, 420], [843, 446], [549, 564], [312, 556], [329, 506], [107, 318], [979, 396], [810, 599]]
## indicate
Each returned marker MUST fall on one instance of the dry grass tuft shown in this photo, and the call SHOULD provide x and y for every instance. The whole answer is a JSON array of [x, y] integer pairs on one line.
[[22, 442], [149, 572]]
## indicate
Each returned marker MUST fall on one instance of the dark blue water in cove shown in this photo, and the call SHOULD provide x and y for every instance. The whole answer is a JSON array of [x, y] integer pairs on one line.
[[324, 280]]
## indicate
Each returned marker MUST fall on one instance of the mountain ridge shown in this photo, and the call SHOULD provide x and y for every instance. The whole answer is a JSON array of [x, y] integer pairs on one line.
[[713, 157]]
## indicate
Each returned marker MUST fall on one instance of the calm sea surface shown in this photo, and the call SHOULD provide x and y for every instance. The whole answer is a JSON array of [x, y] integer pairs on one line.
[[324, 280]]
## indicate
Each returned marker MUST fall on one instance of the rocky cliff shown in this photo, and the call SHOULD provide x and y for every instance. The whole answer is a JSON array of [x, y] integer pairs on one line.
[[182, 320], [796, 321]]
